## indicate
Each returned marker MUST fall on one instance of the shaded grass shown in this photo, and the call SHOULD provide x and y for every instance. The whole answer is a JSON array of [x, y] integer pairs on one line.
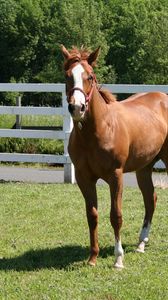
[[44, 246]]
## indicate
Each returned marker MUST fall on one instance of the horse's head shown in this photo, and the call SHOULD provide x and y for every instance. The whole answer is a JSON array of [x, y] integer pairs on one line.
[[80, 79]]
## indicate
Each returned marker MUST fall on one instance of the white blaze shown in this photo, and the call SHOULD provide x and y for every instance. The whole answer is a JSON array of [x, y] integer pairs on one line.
[[78, 83]]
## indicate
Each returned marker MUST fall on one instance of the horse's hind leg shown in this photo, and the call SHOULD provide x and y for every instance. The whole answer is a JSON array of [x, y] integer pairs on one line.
[[144, 178], [163, 155]]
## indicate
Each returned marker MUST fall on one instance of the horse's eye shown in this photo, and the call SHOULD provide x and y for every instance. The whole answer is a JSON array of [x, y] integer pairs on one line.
[[90, 77]]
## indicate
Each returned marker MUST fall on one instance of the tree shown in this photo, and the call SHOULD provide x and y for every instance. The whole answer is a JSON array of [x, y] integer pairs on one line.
[[133, 35], [21, 24], [138, 40], [76, 22]]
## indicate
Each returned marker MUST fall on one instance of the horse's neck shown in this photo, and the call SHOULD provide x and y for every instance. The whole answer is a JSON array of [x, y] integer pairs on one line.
[[93, 122], [97, 107]]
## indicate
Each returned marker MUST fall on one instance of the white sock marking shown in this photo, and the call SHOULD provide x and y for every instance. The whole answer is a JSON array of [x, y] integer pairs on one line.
[[118, 251], [119, 254], [144, 233]]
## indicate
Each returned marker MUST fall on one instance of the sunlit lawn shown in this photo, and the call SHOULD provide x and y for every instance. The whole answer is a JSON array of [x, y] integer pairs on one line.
[[8, 121], [44, 246]]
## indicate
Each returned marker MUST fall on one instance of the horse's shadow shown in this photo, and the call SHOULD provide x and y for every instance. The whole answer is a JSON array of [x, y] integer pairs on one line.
[[57, 258]]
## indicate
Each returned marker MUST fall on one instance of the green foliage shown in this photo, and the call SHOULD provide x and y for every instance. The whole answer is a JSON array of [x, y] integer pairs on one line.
[[45, 245], [21, 25], [40, 146], [75, 23], [138, 40], [10, 97], [133, 36]]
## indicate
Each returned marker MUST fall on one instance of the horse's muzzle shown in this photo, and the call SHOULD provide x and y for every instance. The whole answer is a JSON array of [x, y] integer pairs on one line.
[[77, 111], [71, 108]]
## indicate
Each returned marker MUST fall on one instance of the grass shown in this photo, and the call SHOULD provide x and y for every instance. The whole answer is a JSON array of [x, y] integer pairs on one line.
[[44, 246], [8, 121]]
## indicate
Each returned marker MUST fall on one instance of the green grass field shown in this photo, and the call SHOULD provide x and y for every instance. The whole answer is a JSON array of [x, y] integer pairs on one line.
[[44, 246]]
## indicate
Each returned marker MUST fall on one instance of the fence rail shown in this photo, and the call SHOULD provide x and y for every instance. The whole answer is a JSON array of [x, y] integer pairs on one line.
[[136, 88], [53, 134], [45, 134], [31, 110]]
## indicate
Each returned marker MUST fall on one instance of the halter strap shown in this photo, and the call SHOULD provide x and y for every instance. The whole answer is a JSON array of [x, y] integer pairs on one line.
[[76, 89], [87, 96]]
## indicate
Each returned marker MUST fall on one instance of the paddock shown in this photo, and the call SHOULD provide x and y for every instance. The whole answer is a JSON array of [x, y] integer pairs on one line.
[[43, 253], [51, 262]]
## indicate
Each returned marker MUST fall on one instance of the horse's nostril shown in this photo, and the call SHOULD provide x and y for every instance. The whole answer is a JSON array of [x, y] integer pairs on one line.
[[71, 108], [82, 107]]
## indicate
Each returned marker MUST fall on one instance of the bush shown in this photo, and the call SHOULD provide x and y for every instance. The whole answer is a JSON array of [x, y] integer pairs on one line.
[[40, 146]]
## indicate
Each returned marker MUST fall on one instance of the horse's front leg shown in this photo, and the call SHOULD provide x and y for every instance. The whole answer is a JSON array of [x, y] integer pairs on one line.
[[116, 187], [88, 189]]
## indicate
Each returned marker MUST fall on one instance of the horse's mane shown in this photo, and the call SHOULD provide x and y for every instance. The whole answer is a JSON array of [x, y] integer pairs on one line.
[[76, 55], [107, 96], [83, 53]]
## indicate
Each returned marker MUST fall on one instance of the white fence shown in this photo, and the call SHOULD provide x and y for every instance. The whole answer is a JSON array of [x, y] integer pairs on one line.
[[46, 134], [53, 134]]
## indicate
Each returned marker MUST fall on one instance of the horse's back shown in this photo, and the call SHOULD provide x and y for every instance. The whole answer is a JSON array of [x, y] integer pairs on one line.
[[153, 103], [147, 99], [146, 119]]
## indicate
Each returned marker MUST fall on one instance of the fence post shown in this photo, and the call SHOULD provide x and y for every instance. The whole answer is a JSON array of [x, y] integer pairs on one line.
[[69, 174], [18, 117]]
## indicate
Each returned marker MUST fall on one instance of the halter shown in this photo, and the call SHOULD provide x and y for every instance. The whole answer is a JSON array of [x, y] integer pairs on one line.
[[87, 96]]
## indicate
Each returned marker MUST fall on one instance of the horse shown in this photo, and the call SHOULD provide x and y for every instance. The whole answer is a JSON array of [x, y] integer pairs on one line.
[[110, 138]]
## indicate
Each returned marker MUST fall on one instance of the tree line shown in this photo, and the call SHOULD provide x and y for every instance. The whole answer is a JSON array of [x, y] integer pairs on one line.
[[133, 35]]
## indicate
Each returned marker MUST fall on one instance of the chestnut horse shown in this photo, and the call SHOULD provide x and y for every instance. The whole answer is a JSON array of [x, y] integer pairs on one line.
[[110, 138]]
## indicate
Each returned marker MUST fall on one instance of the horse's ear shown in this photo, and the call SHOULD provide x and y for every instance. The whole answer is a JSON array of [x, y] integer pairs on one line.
[[93, 57], [65, 52]]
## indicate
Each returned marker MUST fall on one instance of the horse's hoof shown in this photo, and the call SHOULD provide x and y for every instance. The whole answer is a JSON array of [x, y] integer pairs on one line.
[[91, 263], [118, 266], [139, 250], [119, 263], [141, 247]]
